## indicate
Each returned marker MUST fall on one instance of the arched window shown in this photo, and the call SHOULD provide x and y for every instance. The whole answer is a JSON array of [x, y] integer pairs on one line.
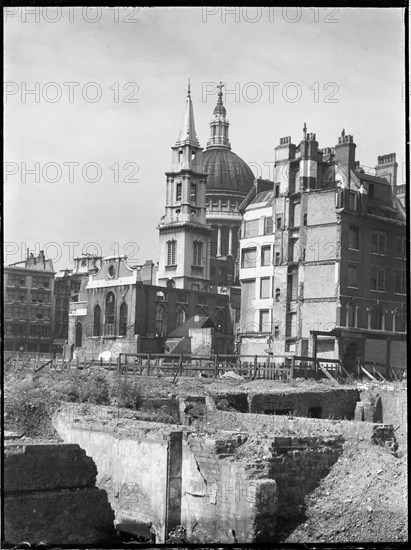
[[277, 294], [400, 320], [376, 317], [79, 335], [171, 252], [122, 329], [220, 321], [201, 311], [110, 314], [181, 315], [161, 320], [197, 253], [97, 321]]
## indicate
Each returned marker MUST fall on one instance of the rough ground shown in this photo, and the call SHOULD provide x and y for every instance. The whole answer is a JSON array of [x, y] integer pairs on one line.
[[362, 499]]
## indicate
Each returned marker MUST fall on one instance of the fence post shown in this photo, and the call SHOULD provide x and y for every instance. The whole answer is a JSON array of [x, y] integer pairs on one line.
[[215, 366], [78, 362], [148, 364], [119, 363], [255, 366], [292, 367]]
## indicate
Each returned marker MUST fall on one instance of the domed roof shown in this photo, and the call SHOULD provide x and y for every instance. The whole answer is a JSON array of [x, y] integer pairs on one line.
[[226, 170]]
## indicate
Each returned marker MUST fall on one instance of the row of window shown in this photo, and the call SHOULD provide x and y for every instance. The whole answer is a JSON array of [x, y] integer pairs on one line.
[[225, 205], [36, 281], [19, 330], [377, 279], [376, 319], [249, 257], [110, 321], [197, 253], [193, 192], [19, 312], [36, 297], [378, 242]]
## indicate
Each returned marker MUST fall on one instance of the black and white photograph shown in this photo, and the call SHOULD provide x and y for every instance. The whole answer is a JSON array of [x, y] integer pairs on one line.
[[206, 256]]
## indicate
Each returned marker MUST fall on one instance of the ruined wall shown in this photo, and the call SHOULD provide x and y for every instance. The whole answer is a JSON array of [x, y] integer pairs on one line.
[[297, 465], [50, 496], [394, 411], [273, 425], [153, 475], [339, 403], [229, 500], [106, 347], [131, 464], [388, 405]]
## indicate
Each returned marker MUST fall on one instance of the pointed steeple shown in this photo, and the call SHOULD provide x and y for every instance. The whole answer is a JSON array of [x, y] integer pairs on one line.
[[219, 124], [188, 134]]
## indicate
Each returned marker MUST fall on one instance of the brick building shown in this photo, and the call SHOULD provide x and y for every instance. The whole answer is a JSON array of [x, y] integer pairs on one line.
[[323, 257], [120, 310], [28, 304]]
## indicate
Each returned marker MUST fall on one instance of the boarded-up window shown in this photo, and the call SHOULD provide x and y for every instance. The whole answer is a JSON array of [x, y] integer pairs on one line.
[[251, 228], [249, 257], [247, 309], [265, 287], [265, 325]]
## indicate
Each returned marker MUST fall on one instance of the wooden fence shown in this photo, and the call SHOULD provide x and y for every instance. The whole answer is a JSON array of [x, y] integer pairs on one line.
[[250, 367]]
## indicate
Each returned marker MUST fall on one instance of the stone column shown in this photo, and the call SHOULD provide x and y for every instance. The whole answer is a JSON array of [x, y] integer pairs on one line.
[[230, 241], [218, 241]]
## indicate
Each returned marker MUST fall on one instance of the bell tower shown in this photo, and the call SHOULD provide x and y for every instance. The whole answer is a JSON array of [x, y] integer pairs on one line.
[[183, 230]]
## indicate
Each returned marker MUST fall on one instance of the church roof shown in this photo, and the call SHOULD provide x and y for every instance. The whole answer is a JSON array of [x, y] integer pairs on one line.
[[226, 170], [202, 321]]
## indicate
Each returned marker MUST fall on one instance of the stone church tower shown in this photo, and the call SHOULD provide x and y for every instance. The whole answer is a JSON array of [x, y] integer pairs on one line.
[[184, 233]]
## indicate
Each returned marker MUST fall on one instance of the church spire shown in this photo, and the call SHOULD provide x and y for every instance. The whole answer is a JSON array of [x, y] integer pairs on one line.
[[219, 124], [188, 134]]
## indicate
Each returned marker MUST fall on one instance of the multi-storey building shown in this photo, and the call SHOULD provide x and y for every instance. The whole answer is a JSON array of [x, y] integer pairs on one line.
[[323, 249], [28, 304]]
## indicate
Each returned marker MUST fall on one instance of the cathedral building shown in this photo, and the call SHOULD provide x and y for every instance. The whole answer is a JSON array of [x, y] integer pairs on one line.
[[199, 231], [228, 182]]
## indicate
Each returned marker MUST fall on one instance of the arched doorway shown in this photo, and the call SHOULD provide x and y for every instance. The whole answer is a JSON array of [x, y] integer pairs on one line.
[[350, 358]]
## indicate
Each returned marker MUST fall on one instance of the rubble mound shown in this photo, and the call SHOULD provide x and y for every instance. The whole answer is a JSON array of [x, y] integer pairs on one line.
[[362, 499]]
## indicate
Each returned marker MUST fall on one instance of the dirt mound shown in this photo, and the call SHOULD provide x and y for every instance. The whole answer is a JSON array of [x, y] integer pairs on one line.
[[362, 499]]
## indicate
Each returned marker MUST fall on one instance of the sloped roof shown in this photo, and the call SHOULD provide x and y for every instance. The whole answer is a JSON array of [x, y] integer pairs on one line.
[[203, 322]]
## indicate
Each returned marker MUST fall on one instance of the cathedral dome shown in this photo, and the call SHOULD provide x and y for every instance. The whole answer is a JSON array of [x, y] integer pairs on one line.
[[226, 170]]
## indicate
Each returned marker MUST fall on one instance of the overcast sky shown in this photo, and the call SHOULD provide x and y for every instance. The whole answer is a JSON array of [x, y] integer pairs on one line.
[[330, 68]]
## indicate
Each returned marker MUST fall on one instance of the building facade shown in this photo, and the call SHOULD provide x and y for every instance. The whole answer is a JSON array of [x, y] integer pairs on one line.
[[28, 305], [118, 311], [323, 250]]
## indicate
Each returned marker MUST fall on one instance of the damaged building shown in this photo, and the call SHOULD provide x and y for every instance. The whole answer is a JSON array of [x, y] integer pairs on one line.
[[323, 257]]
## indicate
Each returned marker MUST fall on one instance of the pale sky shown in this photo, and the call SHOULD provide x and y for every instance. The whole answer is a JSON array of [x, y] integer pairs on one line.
[[330, 68]]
